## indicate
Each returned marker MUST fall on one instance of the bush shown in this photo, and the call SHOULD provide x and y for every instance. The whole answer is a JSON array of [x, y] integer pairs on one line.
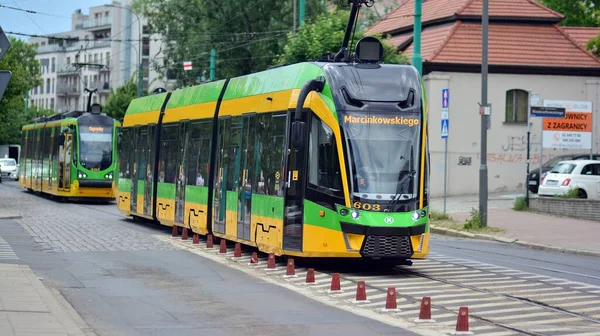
[[474, 222], [520, 204], [439, 216], [572, 193]]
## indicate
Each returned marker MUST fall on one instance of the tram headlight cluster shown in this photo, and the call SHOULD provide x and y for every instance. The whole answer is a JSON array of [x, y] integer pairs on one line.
[[354, 214], [81, 175], [108, 176], [419, 214]]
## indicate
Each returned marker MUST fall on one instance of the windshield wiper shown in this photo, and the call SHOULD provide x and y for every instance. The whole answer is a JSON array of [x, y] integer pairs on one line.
[[411, 173]]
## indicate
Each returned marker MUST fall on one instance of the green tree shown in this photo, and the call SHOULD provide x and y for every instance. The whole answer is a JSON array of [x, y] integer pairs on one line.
[[119, 100], [20, 60], [244, 33], [593, 45], [325, 34], [580, 13]]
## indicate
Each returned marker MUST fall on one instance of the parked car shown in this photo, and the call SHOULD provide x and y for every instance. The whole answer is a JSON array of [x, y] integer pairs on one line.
[[9, 168], [534, 174], [583, 175]]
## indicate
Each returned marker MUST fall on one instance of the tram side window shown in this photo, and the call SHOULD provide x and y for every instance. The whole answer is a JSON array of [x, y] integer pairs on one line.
[[270, 131], [124, 154], [324, 166], [168, 154], [198, 153]]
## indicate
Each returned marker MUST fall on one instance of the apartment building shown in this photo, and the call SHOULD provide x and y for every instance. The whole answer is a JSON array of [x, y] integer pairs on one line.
[[109, 37]]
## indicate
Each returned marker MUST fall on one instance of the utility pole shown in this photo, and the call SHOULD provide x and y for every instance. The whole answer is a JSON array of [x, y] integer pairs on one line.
[[27, 101], [483, 172], [417, 60], [213, 56], [295, 10], [302, 9]]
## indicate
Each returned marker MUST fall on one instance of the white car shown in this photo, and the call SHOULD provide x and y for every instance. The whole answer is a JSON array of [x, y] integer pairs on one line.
[[583, 175], [9, 168]]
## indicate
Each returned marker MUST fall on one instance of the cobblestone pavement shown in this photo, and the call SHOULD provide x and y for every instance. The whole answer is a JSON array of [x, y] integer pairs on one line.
[[60, 229]]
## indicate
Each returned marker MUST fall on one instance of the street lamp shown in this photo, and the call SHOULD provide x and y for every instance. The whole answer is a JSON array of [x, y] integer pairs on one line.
[[141, 69]]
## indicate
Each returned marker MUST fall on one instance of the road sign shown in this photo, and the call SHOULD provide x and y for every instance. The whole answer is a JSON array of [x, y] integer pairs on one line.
[[445, 128], [574, 130], [445, 98], [548, 112], [187, 65], [5, 75]]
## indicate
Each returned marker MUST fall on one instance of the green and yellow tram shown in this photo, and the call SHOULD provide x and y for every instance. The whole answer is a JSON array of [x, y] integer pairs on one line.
[[71, 155], [316, 159]]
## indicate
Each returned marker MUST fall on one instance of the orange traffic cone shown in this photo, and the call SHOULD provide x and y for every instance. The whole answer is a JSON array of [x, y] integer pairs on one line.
[[361, 292], [184, 235], [310, 275], [462, 322], [290, 271], [209, 241], [271, 262], [391, 300], [237, 252], [223, 246], [195, 239], [425, 312], [335, 283], [254, 259], [174, 231]]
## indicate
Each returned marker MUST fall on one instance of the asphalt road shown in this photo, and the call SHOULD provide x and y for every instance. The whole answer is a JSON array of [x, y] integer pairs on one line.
[[123, 280], [131, 284]]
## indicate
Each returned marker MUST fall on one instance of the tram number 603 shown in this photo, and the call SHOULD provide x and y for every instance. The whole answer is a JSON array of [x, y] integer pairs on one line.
[[367, 206]]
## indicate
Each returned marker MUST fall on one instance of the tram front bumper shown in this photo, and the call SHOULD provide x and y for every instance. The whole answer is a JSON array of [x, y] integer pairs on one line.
[[386, 242]]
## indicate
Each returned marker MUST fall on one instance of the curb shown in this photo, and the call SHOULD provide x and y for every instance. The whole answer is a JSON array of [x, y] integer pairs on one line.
[[534, 246], [11, 216]]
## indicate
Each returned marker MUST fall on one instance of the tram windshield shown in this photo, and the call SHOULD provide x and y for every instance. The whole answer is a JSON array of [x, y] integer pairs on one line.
[[95, 147], [384, 150]]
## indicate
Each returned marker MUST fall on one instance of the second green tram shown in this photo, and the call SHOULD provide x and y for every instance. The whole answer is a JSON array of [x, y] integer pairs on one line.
[[70, 155]]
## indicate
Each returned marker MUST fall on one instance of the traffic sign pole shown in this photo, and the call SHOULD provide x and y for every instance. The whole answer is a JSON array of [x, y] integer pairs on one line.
[[444, 132], [528, 148]]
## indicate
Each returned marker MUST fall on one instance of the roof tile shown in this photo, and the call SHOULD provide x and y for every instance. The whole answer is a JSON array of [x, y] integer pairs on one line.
[[582, 34], [508, 45], [433, 10]]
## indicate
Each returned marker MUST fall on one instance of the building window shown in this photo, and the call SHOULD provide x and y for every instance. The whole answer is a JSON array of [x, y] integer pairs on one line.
[[516, 106]]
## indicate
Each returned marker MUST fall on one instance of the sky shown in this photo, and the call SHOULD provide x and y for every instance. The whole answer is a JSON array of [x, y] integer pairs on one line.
[[28, 23]]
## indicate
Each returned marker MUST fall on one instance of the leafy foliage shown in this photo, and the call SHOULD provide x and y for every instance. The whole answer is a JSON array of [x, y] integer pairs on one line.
[[582, 13], [325, 34], [20, 60], [593, 45], [118, 101], [245, 34]]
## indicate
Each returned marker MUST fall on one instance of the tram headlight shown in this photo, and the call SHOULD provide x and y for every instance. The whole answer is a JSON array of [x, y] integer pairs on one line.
[[108, 176], [81, 175], [343, 212], [416, 215], [354, 214]]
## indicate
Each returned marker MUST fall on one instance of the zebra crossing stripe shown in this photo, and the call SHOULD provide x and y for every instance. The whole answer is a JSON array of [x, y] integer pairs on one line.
[[6, 252]]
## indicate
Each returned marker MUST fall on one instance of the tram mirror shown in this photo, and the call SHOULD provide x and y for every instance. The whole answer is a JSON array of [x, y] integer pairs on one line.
[[369, 50], [298, 134]]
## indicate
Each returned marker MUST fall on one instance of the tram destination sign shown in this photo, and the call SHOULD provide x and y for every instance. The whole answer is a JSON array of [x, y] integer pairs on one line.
[[548, 112]]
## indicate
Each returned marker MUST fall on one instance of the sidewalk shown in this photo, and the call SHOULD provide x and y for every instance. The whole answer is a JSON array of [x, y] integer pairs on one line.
[[28, 308], [537, 230]]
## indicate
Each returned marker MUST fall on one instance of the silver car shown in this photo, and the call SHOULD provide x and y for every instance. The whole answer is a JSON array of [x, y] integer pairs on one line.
[[9, 168]]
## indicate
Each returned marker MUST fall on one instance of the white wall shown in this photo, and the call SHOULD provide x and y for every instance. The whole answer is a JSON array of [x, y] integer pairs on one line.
[[506, 143]]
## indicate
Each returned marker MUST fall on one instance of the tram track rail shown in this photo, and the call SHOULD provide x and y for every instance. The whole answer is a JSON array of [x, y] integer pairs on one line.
[[560, 321]]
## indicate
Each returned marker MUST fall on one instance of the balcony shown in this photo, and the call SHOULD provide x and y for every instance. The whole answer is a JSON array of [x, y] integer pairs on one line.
[[50, 48], [68, 90], [97, 23], [67, 70]]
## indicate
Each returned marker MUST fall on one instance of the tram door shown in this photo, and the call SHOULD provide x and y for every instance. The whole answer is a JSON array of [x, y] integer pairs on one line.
[[141, 166], [246, 162], [136, 152], [182, 170], [64, 170], [223, 170], [295, 169], [149, 170]]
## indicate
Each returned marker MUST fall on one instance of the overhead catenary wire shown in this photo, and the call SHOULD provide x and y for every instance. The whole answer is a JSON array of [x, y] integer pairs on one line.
[[32, 11]]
